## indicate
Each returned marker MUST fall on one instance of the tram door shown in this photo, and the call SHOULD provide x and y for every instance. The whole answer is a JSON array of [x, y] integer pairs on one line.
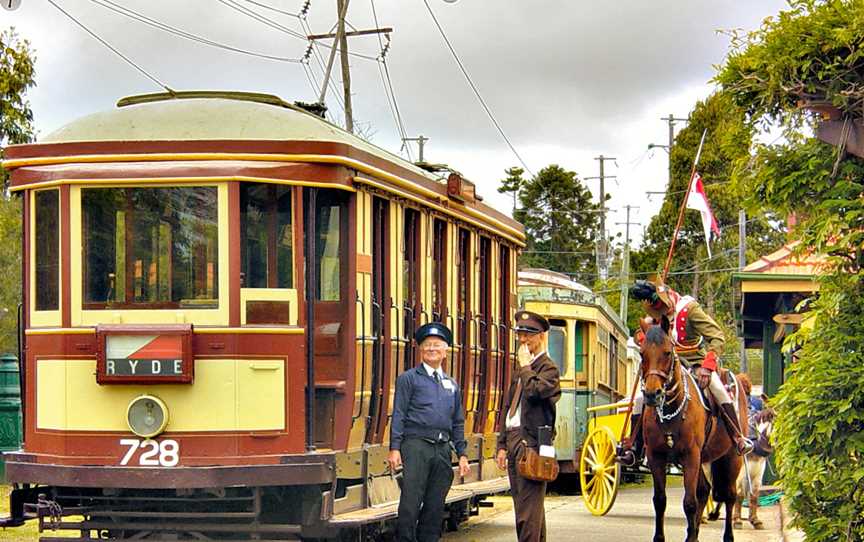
[[332, 304], [463, 323], [483, 369], [381, 319]]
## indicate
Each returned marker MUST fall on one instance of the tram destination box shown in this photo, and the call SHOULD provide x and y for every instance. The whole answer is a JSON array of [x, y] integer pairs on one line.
[[140, 354]]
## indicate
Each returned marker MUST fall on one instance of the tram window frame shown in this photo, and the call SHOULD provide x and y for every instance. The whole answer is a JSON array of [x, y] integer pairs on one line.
[[276, 241], [46, 250], [613, 362], [195, 287]]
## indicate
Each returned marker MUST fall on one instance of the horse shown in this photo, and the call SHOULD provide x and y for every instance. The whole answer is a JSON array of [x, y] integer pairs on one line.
[[675, 428], [750, 480]]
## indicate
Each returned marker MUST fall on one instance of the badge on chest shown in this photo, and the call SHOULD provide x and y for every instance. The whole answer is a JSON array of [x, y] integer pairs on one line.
[[448, 385]]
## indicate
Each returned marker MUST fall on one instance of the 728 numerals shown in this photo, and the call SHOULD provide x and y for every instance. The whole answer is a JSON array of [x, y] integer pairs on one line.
[[156, 453]]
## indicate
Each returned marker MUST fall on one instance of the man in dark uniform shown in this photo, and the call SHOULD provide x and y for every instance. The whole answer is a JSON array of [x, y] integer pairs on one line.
[[427, 422], [698, 341], [530, 404]]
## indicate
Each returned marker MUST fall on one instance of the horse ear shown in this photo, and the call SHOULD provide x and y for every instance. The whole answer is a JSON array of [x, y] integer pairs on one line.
[[664, 323], [645, 322]]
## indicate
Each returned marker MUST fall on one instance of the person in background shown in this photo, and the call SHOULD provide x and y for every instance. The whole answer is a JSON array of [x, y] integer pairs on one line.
[[530, 404], [428, 421]]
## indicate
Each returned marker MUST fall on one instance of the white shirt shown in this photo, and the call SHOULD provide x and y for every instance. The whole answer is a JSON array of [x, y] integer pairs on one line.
[[516, 420], [432, 371]]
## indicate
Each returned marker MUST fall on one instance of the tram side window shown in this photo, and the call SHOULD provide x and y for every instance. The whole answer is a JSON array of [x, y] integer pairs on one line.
[[557, 340], [266, 236], [439, 269], [613, 362], [150, 248], [47, 250], [328, 245]]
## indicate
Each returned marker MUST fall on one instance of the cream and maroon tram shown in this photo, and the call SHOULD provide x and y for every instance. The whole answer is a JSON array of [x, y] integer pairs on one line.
[[219, 292]]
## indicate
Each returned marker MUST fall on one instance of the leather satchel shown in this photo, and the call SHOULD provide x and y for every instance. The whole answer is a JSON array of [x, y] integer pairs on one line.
[[534, 466]]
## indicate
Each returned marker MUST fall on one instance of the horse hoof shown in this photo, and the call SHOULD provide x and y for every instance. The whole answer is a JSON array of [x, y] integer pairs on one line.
[[757, 524], [737, 525], [714, 516]]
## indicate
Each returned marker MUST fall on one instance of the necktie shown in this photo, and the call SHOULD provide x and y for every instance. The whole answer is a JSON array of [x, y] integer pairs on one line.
[[517, 396], [436, 377]]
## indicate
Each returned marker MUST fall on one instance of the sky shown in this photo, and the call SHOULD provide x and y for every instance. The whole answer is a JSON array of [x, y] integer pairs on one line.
[[567, 81]]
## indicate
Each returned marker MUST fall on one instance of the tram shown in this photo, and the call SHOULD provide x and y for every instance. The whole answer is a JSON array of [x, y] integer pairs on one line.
[[589, 343], [219, 292]]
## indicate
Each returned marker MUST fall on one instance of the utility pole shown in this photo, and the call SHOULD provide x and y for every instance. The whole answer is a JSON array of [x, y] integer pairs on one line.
[[340, 42], [625, 264], [671, 120], [421, 141], [602, 258], [742, 246]]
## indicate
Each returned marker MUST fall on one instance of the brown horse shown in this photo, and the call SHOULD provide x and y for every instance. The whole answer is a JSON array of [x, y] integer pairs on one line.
[[676, 431]]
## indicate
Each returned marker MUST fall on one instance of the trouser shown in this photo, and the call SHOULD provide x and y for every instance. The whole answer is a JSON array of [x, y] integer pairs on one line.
[[427, 473], [715, 389], [527, 494]]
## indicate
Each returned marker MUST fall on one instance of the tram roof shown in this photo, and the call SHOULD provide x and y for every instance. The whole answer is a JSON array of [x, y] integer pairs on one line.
[[212, 115], [199, 118]]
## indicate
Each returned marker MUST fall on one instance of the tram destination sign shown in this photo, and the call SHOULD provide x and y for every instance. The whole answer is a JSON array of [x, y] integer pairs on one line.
[[144, 354]]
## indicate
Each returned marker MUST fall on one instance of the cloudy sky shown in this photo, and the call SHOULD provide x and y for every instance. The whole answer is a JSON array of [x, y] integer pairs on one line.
[[566, 80]]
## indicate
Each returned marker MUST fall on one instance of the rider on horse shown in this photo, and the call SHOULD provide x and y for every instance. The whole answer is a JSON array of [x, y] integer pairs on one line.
[[698, 341]]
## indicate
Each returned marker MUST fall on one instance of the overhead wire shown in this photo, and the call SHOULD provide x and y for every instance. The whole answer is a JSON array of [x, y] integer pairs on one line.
[[134, 15], [235, 5], [112, 48], [476, 92], [271, 8], [384, 71]]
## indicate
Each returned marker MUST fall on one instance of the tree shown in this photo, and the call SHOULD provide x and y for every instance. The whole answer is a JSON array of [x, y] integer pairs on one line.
[[16, 126], [560, 220], [812, 54], [727, 141]]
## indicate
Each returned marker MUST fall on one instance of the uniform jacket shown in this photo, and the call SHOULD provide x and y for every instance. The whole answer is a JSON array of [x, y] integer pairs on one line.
[[540, 392], [698, 334]]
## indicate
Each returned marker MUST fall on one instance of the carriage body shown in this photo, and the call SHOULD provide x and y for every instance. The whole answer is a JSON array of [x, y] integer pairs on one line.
[[220, 290]]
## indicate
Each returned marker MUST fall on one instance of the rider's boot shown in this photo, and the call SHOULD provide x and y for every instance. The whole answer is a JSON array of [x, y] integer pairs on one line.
[[743, 445], [630, 451]]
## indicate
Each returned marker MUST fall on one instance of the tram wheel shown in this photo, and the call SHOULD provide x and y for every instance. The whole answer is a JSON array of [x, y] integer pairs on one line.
[[599, 474]]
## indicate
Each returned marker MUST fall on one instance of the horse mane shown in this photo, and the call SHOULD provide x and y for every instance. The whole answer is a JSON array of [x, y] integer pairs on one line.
[[746, 384], [655, 335]]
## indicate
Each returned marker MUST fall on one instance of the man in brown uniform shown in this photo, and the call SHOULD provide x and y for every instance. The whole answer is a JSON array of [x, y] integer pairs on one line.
[[530, 404]]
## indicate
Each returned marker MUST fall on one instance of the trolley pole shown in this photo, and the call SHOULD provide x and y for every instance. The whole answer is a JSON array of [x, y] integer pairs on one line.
[[421, 142], [340, 42], [602, 252]]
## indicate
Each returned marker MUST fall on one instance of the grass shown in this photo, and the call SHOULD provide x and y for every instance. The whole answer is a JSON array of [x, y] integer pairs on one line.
[[29, 532]]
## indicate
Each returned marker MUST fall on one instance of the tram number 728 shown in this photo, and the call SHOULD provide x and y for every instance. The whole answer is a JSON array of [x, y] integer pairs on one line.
[[161, 453]]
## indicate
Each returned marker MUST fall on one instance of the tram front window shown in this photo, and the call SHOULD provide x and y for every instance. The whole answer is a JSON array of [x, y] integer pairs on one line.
[[150, 248]]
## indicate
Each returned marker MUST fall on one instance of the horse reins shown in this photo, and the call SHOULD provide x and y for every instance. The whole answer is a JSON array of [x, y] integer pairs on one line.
[[671, 392]]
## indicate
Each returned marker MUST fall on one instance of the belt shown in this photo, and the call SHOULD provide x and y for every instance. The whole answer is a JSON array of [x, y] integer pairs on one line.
[[434, 436]]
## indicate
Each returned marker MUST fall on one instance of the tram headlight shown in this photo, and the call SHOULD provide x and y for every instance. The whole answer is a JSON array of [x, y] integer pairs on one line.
[[147, 416]]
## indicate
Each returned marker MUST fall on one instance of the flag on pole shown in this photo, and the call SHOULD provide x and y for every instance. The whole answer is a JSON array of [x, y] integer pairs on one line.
[[696, 199]]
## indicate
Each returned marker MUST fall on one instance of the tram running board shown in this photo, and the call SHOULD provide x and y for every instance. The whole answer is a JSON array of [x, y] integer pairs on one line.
[[388, 511]]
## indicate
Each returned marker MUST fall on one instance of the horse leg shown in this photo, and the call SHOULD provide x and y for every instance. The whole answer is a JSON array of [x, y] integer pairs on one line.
[[736, 514], [658, 473], [757, 472], [693, 505]]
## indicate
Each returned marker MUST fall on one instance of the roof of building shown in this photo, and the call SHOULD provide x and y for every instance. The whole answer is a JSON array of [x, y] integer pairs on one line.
[[787, 261]]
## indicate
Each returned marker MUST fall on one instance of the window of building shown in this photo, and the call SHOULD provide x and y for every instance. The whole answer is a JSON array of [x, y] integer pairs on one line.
[[47, 257], [150, 247], [266, 236]]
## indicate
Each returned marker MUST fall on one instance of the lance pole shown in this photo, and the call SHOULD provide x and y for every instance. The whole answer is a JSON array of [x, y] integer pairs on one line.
[[681, 210]]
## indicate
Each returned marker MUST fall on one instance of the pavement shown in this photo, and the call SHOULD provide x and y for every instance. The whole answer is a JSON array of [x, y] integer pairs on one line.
[[631, 518]]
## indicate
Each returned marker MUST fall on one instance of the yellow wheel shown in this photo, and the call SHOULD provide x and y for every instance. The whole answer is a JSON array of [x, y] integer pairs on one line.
[[598, 471]]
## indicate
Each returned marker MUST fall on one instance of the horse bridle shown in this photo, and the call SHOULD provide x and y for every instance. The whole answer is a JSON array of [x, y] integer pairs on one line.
[[670, 390]]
